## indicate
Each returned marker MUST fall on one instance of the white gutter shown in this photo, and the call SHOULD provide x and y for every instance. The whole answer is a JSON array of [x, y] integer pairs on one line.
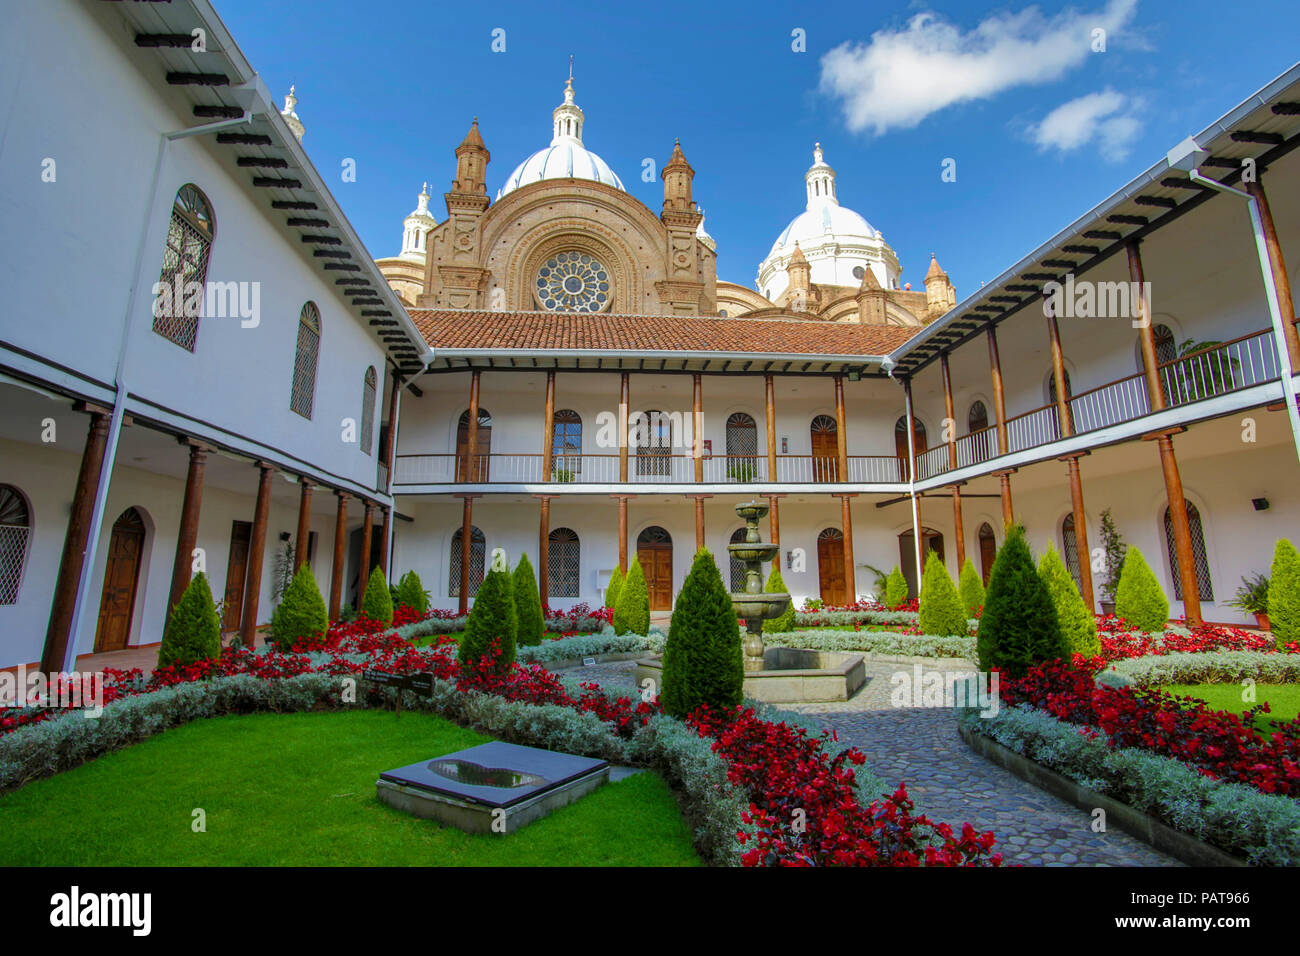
[[690, 355]]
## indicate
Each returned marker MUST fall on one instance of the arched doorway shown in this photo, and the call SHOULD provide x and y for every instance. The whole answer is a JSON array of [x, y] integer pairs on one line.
[[654, 549], [988, 551], [825, 448], [830, 567], [1070, 547], [121, 581], [736, 577], [931, 540], [478, 470], [1200, 557]]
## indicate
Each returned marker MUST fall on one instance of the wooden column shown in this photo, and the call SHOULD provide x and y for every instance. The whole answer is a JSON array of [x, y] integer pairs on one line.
[[189, 524], [951, 430], [1081, 530], [697, 425], [548, 430], [1184, 554], [1146, 334], [466, 549], [472, 470], [367, 529], [544, 539], [850, 570], [1278, 264], [841, 433], [304, 525], [72, 564], [340, 554], [699, 519], [622, 531], [999, 397], [769, 387], [1058, 376], [390, 436], [385, 535], [959, 527], [1008, 513], [623, 400], [256, 556], [774, 518]]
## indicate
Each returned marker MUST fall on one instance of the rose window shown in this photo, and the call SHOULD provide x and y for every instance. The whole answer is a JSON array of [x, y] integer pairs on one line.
[[573, 282]]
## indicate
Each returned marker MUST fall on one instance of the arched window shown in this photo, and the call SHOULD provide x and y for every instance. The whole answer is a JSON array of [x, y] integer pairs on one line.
[[1051, 397], [303, 394], [1199, 557], [477, 547], [824, 432], [654, 443], [1070, 549], [1166, 346], [737, 575], [900, 442], [988, 550], [563, 563], [566, 445], [977, 424], [742, 447], [185, 268], [15, 529], [368, 396], [478, 471]]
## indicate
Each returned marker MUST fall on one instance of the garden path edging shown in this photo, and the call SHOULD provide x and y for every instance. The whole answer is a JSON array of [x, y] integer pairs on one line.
[[1182, 847]]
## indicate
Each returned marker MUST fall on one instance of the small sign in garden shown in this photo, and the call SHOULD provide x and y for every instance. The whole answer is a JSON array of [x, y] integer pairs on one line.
[[421, 683]]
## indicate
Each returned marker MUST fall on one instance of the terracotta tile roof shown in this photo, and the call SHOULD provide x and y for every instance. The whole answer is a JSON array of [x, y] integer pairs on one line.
[[503, 331]]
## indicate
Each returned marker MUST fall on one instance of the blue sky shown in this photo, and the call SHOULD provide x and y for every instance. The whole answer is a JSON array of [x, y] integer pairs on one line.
[[1041, 127]]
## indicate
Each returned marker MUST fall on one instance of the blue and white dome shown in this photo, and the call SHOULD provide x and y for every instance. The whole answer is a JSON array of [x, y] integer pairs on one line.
[[838, 243], [566, 157]]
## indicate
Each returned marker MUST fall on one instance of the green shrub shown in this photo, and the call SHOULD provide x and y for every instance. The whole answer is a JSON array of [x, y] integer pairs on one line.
[[377, 605], [493, 617], [301, 614], [776, 585], [1019, 626], [528, 603], [703, 661], [411, 593], [1138, 598], [1078, 624], [612, 589], [193, 631], [971, 588], [632, 613], [941, 611], [895, 589], [1284, 593]]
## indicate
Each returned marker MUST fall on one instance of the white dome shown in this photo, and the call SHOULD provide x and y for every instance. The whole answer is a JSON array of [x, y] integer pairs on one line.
[[566, 157], [838, 243]]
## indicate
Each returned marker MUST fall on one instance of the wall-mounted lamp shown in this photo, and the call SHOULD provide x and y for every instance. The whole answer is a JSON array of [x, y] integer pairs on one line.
[[1261, 504]]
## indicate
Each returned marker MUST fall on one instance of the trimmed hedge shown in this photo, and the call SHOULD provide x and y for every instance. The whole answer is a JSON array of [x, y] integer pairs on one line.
[[301, 612], [492, 618], [1019, 626], [1138, 598], [1078, 624], [411, 593], [941, 612], [589, 645], [632, 613], [970, 588], [611, 590], [377, 605], [1284, 593], [193, 631], [703, 660], [1208, 667], [895, 589], [528, 603], [877, 642]]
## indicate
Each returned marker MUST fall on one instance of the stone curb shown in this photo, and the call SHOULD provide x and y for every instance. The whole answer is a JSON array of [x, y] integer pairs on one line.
[[569, 662], [1182, 847]]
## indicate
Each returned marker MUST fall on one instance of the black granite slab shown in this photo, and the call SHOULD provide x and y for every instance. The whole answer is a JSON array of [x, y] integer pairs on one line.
[[494, 774]]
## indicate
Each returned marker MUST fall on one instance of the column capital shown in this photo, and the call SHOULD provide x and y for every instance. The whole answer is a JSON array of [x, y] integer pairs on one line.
[[1004, 472], [1075, 455], [342, 495], [1166, 432], [195, 445]]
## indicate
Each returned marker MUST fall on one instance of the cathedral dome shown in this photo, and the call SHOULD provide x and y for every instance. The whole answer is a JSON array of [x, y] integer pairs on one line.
[[566, 157], [839, 243]]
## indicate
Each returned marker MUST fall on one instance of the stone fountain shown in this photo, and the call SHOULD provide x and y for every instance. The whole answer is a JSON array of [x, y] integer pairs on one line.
[[777, 674]]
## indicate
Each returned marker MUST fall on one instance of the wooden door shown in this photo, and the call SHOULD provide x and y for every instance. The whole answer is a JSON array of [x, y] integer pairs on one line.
[[830, 567], [236, 569], [121, 579], [654, 549], [825, 449], [988, 551]]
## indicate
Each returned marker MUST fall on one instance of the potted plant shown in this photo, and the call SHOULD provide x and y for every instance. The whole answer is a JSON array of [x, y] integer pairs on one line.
[[1252, 597], [1114, 547]]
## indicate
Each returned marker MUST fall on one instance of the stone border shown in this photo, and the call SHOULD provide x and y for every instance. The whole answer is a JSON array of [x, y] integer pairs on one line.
[[577, 662], [1182, 847]]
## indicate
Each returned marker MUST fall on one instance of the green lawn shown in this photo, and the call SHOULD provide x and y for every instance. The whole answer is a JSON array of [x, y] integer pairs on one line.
[[1283, 699], [299, 789]]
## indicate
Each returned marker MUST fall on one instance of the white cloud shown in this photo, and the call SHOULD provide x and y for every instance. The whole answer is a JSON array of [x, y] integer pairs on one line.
[[1108, 118], [900, 77]]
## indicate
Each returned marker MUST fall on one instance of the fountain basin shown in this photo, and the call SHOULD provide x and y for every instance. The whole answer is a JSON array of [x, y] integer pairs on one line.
[[789, 675]]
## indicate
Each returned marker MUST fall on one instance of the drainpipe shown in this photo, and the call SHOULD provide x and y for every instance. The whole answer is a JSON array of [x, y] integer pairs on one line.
[[911, 485], [392, 466], [254, 98]]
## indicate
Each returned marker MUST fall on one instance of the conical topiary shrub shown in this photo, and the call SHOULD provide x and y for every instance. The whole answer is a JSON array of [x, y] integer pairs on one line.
[[970, 588], [528, 603], [895, 589], [1284, 593], [378, 602], [411, 593], [776, 585], [492, 618], [1019, 626], [301, 614], [612, 589], [193, 631], [1138, 599], [632, 613], [1078, 625], [703, 661], [941, 611]]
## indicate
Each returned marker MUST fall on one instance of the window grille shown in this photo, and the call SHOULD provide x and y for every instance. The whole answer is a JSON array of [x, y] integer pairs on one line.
[[1070, 545], [368, 409], [15, 529], [566, 445], [305, 358], [477, 549], [1199, 557], [563, 563], [185, 266]]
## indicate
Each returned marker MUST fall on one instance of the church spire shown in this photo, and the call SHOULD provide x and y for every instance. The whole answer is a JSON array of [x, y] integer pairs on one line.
[[290, 117], [567, 118], [820, 180]]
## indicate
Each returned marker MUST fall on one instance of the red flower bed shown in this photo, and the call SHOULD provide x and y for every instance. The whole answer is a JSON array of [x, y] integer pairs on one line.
[[1120, 640], [1219, 744], [805, 810]]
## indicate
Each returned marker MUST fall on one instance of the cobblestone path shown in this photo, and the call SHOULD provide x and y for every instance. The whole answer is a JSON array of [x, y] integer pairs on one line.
[[947, 780]]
